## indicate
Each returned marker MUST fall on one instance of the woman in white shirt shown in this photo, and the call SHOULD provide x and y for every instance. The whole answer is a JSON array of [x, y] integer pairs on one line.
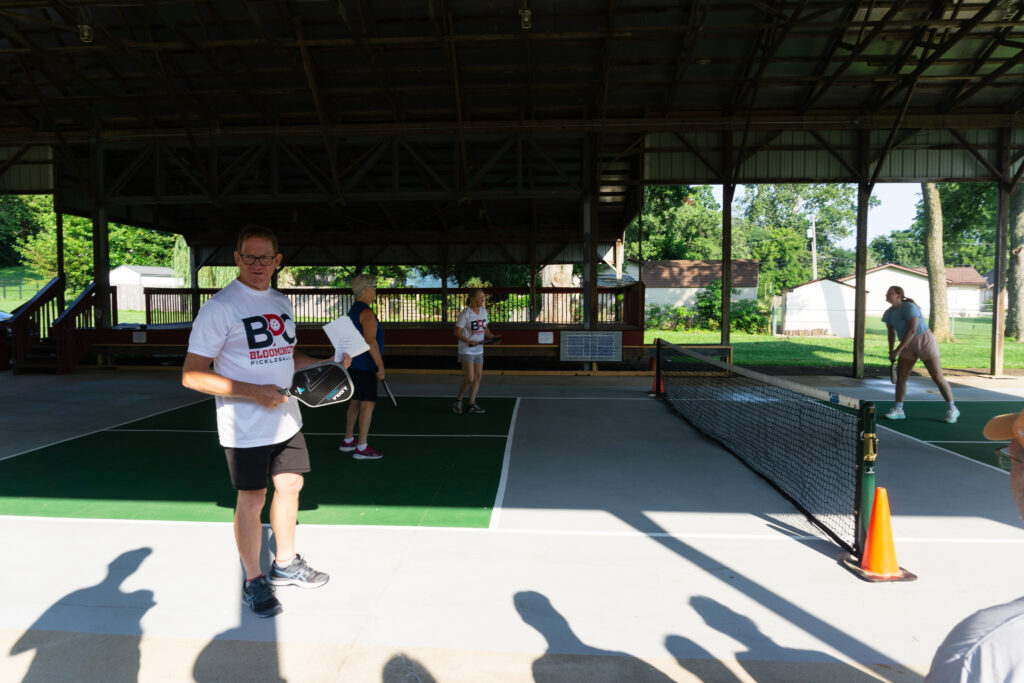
[[471, 330]]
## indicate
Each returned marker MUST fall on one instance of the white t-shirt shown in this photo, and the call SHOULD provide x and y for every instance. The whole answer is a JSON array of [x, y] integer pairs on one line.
[[250, 334], [473, 325], [986, 646]]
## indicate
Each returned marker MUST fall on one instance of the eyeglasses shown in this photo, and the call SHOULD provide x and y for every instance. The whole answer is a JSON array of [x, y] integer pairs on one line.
[[249, 259], [1005, 459]]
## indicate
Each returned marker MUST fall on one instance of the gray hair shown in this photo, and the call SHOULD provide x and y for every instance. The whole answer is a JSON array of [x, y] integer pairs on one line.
[[361, 282]]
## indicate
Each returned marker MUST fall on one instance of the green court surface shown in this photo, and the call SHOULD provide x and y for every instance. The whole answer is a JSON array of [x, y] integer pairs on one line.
[[925, 421], [439, 469]]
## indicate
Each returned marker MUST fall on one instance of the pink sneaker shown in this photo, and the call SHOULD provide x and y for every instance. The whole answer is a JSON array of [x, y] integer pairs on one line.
[[367, 454], [347, 445]]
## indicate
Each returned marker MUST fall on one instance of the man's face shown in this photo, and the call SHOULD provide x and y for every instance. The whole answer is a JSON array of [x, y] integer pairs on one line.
[[257, 275]]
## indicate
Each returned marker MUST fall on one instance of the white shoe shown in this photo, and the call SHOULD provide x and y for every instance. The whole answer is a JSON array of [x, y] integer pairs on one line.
[[952, 414], [896, 414]]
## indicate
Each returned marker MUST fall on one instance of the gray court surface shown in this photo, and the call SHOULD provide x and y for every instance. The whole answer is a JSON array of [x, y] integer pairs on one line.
[[624, 547]]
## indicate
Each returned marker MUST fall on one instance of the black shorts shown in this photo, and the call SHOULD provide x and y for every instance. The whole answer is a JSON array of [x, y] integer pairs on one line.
[[250, 468], [365, 383]]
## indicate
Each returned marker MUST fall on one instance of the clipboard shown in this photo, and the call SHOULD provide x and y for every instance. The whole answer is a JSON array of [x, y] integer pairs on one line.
[[345, 337]]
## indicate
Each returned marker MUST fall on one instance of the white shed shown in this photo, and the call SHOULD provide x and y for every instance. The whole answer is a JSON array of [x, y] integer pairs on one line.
[[131, 280], [965, 288], [820, 307]]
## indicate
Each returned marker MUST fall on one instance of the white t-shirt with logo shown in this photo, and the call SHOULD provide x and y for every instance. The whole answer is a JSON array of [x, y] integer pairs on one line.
[[473, 325], [250, 334]]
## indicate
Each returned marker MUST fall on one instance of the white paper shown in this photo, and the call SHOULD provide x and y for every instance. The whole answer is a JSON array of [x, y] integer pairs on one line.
[[345, 338]]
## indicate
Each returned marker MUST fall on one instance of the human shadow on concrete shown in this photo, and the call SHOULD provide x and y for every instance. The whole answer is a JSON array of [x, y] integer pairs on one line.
[[763, 659], [402, 668], [569, 658], [846, 643], [247, 652], [698, 661], [91, 634]]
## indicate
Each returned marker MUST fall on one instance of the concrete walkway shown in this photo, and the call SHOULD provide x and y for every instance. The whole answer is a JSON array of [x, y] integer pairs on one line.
[[626, 548]]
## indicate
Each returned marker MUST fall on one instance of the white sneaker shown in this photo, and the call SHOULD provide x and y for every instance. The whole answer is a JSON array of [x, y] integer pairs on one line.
[[896, 414], [952, 414]]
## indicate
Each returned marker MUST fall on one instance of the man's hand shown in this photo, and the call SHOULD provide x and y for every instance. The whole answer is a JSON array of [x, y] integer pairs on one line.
[[346, 360], [267, 395]]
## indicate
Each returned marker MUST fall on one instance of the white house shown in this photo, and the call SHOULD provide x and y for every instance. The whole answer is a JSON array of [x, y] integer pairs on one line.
[[820, 307], [826, 307], [131, 280], [676, 283], [965, 288]]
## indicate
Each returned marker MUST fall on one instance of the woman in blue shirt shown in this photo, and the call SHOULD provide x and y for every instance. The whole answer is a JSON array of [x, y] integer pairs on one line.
[[366, 369], [905, 322]]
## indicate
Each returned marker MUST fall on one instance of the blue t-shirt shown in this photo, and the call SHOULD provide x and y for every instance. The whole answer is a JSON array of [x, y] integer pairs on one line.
[[898, 317], [364, 361]]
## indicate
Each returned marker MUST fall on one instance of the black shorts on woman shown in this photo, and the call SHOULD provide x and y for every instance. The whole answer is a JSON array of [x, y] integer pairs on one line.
[[365, 383]]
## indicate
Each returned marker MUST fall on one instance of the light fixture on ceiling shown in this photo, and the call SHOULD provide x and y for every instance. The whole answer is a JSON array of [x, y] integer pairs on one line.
[[525, 16], [85, 25]]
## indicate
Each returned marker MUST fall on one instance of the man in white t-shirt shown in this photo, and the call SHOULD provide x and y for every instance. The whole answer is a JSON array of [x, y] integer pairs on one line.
[[247, 332], [989, 644]]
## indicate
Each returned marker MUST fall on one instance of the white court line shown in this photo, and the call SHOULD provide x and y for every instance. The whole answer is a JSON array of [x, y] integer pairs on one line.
[[993, 443], [775, 536], [104, 429], [499, 498], [305, 433], [946, 450]]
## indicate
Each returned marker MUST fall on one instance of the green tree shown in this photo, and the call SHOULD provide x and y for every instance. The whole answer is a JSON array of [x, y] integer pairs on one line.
[[902, 247], [679, 222], [788, 212], [20, 217], [968, 231], [128, 245], [784, 259]]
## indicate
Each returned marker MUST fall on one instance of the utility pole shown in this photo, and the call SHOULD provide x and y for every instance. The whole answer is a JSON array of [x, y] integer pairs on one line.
[[812, 233]]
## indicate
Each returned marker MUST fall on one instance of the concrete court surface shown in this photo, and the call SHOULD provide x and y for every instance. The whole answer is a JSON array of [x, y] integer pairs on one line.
[[625, 547]]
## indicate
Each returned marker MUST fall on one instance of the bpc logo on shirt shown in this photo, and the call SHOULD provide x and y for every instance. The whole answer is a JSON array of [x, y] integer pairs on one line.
[[260, 330]]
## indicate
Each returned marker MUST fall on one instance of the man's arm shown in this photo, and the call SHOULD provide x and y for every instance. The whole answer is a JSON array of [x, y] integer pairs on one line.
[[196, 374]]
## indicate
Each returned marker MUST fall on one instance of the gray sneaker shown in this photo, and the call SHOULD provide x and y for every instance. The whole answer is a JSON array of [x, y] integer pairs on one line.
[[259, 596], [476, 409], [298, 573], [457, 407]]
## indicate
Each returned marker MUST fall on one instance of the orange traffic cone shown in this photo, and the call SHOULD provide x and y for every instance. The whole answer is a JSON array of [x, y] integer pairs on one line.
[[657, 385], [878, 561]]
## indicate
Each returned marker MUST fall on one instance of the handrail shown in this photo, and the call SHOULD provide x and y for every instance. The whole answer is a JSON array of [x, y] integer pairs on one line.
[[73, 327], [621, 305], [33, 321]]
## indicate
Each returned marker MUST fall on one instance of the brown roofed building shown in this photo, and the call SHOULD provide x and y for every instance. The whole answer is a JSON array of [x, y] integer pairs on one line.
[[677, 282]]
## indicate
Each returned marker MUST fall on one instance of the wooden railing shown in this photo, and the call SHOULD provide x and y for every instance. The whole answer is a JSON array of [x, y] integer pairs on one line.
[[72, 329], [32, 322], [546, 305]]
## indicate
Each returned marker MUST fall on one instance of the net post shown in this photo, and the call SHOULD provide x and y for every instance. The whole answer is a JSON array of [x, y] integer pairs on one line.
[[865, 473], [659, 387]]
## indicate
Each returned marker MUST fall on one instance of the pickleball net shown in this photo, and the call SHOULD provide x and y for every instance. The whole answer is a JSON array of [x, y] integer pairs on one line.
[[817, 448]]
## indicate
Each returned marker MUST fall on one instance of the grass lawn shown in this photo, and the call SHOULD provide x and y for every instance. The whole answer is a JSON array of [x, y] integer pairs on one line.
[[18, 284], [971, 350]]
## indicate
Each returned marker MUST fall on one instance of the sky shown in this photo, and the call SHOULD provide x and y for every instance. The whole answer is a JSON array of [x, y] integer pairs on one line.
[[896, 211]]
